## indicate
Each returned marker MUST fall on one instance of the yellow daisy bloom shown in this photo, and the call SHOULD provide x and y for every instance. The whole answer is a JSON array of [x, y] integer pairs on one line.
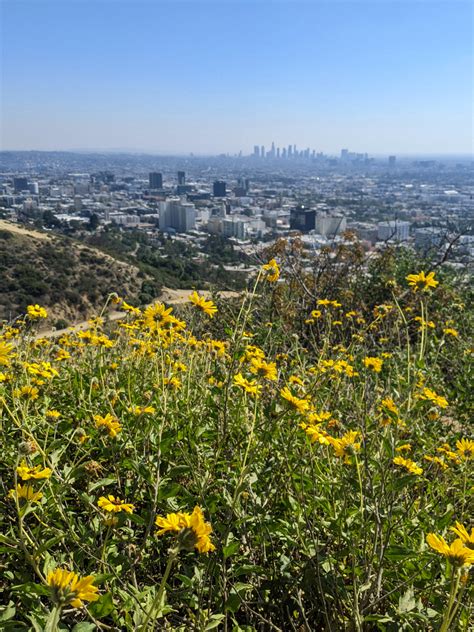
[[113, 504], [456, 552], [272, 271], [68, 588], [422, 281], [208, 307], [25, 492], [25, 472]]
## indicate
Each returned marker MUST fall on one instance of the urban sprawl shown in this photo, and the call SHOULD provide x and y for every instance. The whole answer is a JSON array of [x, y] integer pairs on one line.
[[252, 200]]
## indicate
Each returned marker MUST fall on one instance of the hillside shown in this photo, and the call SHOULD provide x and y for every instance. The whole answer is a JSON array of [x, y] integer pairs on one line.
[[299, 458], [70, 279]]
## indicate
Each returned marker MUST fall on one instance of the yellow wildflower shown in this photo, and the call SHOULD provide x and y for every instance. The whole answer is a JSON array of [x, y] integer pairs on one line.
[[373, 363], [174, 382], [456, 552], [390, 405], [272, 271], [406, 447], [249, 386], [461, 531], [157, 316], [193, 531], [5, 353], [113, 504], [35, 311], [298, 403], [316, 433], [111, 424], [25, 472], [260, 367], [449, 331], [208, 307], [422, 281], [25, 492], [408, 464], [437, 460], [28, 392], [68, 588], [465, 448], [346, 445], [141, 410], [430, 395]]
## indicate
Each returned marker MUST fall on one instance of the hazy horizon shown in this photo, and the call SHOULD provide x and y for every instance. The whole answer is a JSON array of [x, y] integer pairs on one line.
[[209, 77]]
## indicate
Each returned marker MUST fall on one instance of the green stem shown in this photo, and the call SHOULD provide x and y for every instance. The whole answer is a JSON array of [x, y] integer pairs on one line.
[[151, 616], [450, 612], [53, 619]]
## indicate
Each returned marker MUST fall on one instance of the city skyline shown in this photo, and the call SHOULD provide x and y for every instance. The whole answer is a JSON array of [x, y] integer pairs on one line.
[[210, 78]]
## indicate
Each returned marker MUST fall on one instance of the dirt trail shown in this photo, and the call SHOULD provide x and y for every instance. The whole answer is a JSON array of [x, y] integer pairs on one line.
[[168, 296]]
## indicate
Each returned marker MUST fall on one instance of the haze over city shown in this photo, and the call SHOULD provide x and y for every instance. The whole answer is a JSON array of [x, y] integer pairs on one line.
[[221, 77]]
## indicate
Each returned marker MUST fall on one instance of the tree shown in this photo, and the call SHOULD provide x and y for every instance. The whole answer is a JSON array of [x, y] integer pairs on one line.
[[93, 222]]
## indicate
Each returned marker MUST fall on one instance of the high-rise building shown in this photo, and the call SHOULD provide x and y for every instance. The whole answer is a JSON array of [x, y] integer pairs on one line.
[[289, 151], [256, 151], [262, 151], [302, 219], [392, 161], [394, 230], [156, 180], [219, 188], [181, 178], [278, 152], [330, 225], [177, 215], [20, 184]]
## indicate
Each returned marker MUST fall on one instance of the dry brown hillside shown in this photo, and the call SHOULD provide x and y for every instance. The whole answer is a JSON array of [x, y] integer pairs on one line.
[[71, 280]]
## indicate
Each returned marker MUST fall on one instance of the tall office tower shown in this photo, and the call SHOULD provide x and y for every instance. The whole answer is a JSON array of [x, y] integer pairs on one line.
[[394, 230], [392, 160], [278, 152], [272, 152], [181, 178], [344, 154], [283, 152], [302, 219], [289, 151], [177, 215], [20, 184], [294, 151], [256, 151], [156, 180], [313, 154], [219, 188], [262, 151]]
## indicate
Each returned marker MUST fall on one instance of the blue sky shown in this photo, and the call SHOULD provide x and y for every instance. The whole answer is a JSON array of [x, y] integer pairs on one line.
[[384, 76]]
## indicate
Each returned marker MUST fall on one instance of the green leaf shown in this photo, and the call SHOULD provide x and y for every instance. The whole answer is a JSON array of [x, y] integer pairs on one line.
[[103, 606], [8, 612], [85, 626], [395, 553], [407, 601], [214, 621], [231, 549], [102, 483]]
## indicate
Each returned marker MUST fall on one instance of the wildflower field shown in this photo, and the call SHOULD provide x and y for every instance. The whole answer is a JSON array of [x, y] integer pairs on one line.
[[298, 459]]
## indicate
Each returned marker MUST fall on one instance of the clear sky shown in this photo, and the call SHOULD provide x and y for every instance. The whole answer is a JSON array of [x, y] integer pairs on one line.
[[382, 76]]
